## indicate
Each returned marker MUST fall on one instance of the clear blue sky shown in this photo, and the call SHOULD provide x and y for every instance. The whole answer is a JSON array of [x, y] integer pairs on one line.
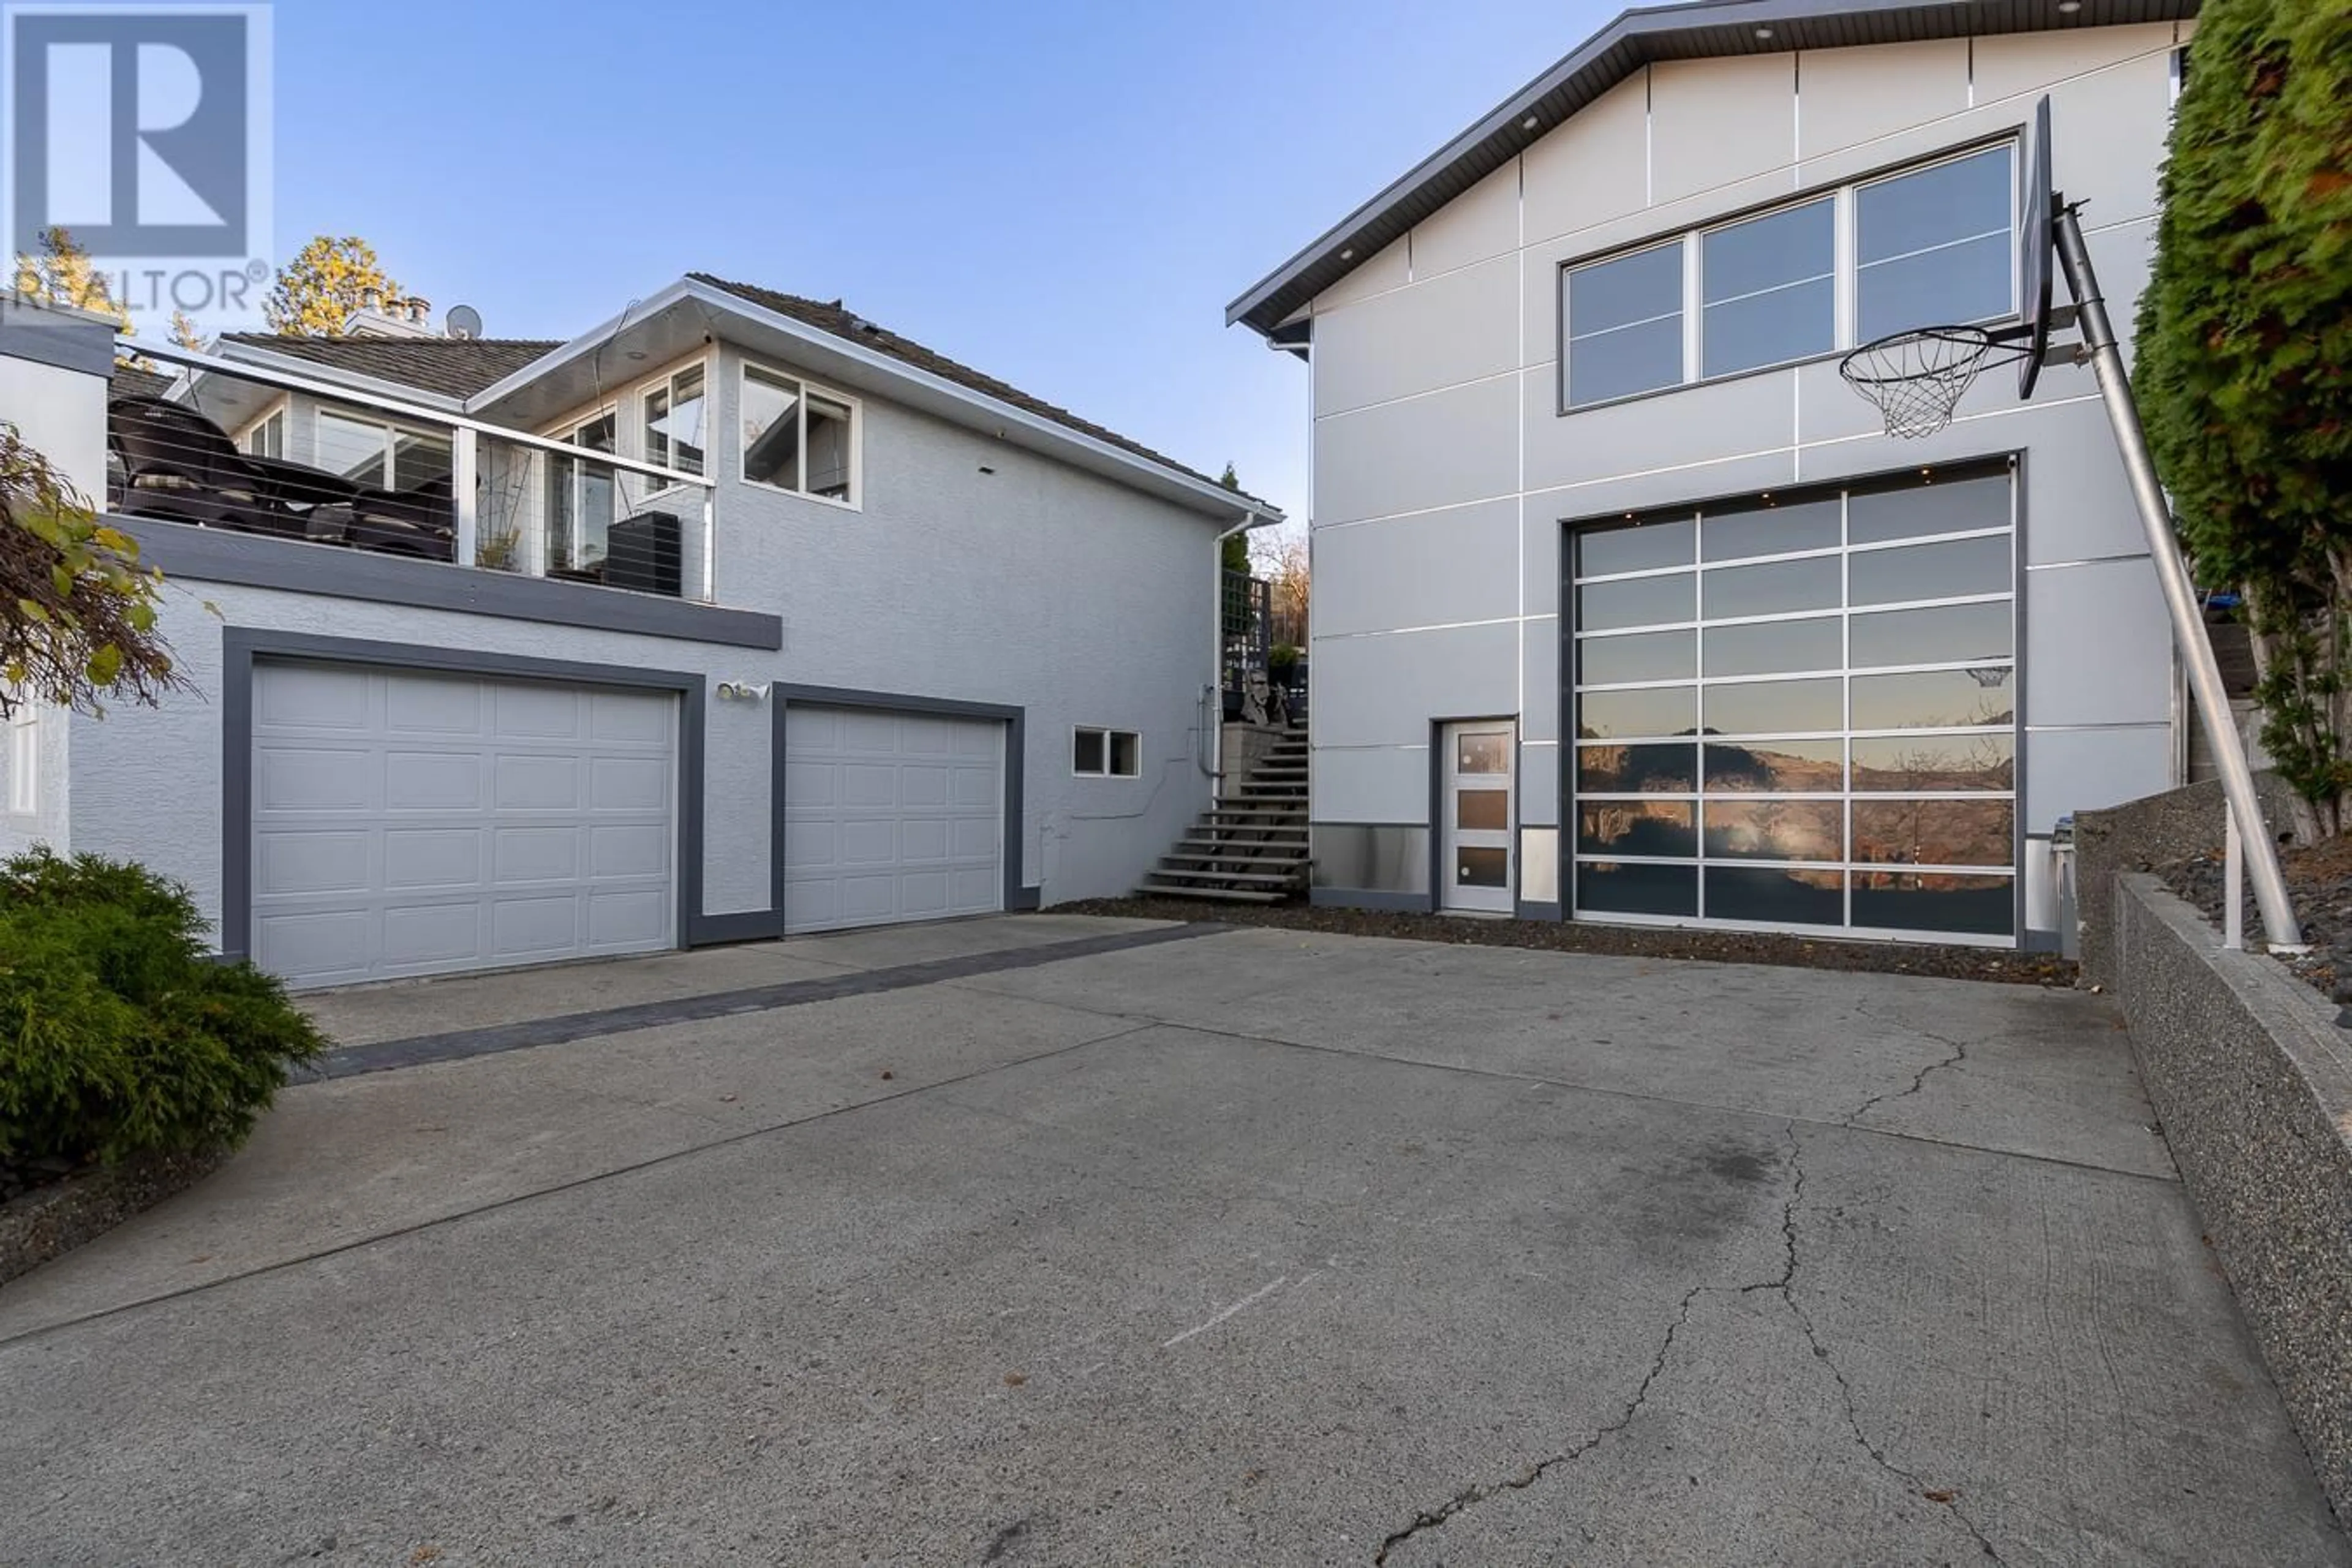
[[1062, 193]]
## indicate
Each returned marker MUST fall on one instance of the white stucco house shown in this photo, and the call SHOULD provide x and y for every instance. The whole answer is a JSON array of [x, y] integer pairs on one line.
[[736, 614], [1626, 608]]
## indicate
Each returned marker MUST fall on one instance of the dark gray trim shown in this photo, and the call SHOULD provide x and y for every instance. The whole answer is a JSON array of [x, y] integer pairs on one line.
[[1373, 899], [240, 646], [1024, 901], [2041, 940], [2017, 549], [256, 560], [43, 337], [1016, 726], [750, 925], [2010, 462], [1699, 31], [1526, 911], [460, 1044]]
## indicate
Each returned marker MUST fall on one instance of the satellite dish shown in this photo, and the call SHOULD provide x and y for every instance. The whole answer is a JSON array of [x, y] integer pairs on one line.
[[464, 321]]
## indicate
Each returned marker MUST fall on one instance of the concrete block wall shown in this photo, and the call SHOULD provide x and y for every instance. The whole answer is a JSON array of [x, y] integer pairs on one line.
[[2252, 1078]]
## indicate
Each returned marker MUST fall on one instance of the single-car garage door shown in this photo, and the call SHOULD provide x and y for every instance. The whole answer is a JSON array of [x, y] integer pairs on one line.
[[890, 816], [406, 823]]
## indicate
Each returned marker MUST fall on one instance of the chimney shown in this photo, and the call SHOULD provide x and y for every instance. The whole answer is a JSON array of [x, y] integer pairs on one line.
[[372, 300], [420, 310]]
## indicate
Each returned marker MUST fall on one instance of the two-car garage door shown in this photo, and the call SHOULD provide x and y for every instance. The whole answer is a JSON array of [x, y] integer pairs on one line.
[[410, 823]]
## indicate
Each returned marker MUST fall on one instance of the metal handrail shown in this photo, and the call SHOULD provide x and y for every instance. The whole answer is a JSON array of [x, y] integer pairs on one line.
[[423, 414]]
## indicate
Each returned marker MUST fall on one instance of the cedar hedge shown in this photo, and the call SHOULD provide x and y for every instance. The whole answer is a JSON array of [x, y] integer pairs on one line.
[[2244, 371]]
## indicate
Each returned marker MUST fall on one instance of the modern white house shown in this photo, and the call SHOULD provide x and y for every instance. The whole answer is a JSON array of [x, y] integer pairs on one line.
[[736, 615], [1626, 608]]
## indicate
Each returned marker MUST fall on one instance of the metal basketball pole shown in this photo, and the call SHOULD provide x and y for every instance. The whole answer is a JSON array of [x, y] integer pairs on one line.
[[2106, 359]]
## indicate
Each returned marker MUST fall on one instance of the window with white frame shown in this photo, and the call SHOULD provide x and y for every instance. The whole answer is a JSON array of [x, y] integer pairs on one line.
[[266, 438], [799, 438], [1105, 753], [380, 455], [672, 411], [1928, 246], [582, 497], [24, 760]]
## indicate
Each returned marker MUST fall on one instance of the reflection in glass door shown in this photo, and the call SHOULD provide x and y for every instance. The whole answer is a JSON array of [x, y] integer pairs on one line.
[[1801, 712], [1477, 817]]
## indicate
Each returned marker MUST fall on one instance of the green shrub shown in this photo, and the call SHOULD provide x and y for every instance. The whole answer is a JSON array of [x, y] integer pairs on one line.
[[119, 1035]]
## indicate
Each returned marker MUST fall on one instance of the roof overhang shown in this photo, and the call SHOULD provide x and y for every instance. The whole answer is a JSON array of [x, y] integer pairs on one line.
[[231, 403], [669, 323], [1701, 30]]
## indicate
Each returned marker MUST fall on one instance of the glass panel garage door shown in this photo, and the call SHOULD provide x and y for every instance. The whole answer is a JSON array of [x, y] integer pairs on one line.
[[1801, 713]]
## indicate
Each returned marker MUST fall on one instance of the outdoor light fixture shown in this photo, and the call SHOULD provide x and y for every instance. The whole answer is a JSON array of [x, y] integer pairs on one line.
[[2068, 7], [1348, 253], [1763, 32], [1530, 123]]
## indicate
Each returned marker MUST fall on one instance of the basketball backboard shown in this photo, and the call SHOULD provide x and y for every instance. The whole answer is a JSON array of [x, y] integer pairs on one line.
[[2036, 242]]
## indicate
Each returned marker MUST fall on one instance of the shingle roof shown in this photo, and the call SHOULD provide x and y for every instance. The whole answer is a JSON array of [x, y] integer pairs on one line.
[[455, 367], [1693, 30], [129, 381], [833, 318]]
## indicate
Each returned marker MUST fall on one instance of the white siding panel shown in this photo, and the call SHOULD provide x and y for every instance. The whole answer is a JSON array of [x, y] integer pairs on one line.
[[1453, 328], [1388, 783], [1384, 690], [1717, 121], [1388, 268], [1592, 168], [1425, 452], [1480, 224], [1848, 96], [2009, 64], [2082, 770], [2094, 653], [1431, 569], [1721, 419]]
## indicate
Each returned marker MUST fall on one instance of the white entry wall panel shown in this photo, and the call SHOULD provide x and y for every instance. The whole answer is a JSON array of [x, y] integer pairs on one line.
[[413, 822], [890, 816]]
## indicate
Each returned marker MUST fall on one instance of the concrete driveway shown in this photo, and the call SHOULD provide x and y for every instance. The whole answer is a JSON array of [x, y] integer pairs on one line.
[[1051, 1241]]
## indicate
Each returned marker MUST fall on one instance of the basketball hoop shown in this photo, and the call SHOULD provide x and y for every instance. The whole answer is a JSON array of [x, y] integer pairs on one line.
[[1917, 378], [1989, 677]]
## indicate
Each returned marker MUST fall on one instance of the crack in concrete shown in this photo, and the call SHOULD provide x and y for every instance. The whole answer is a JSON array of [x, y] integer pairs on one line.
[[1469, 1497], [1430, 1518], [1960, 1055]]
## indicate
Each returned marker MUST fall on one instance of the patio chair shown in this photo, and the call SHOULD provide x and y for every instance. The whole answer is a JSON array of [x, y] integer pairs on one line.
[[419, 521], [179, 465]]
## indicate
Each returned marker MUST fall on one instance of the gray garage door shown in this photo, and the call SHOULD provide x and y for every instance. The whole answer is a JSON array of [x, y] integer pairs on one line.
[[413, 824], [890, 816]]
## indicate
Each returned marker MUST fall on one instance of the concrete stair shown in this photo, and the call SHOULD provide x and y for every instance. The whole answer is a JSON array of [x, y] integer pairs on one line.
[[1250, 845]]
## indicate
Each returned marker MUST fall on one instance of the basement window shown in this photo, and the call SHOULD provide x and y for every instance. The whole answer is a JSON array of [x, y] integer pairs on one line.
[[1105, 753]]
